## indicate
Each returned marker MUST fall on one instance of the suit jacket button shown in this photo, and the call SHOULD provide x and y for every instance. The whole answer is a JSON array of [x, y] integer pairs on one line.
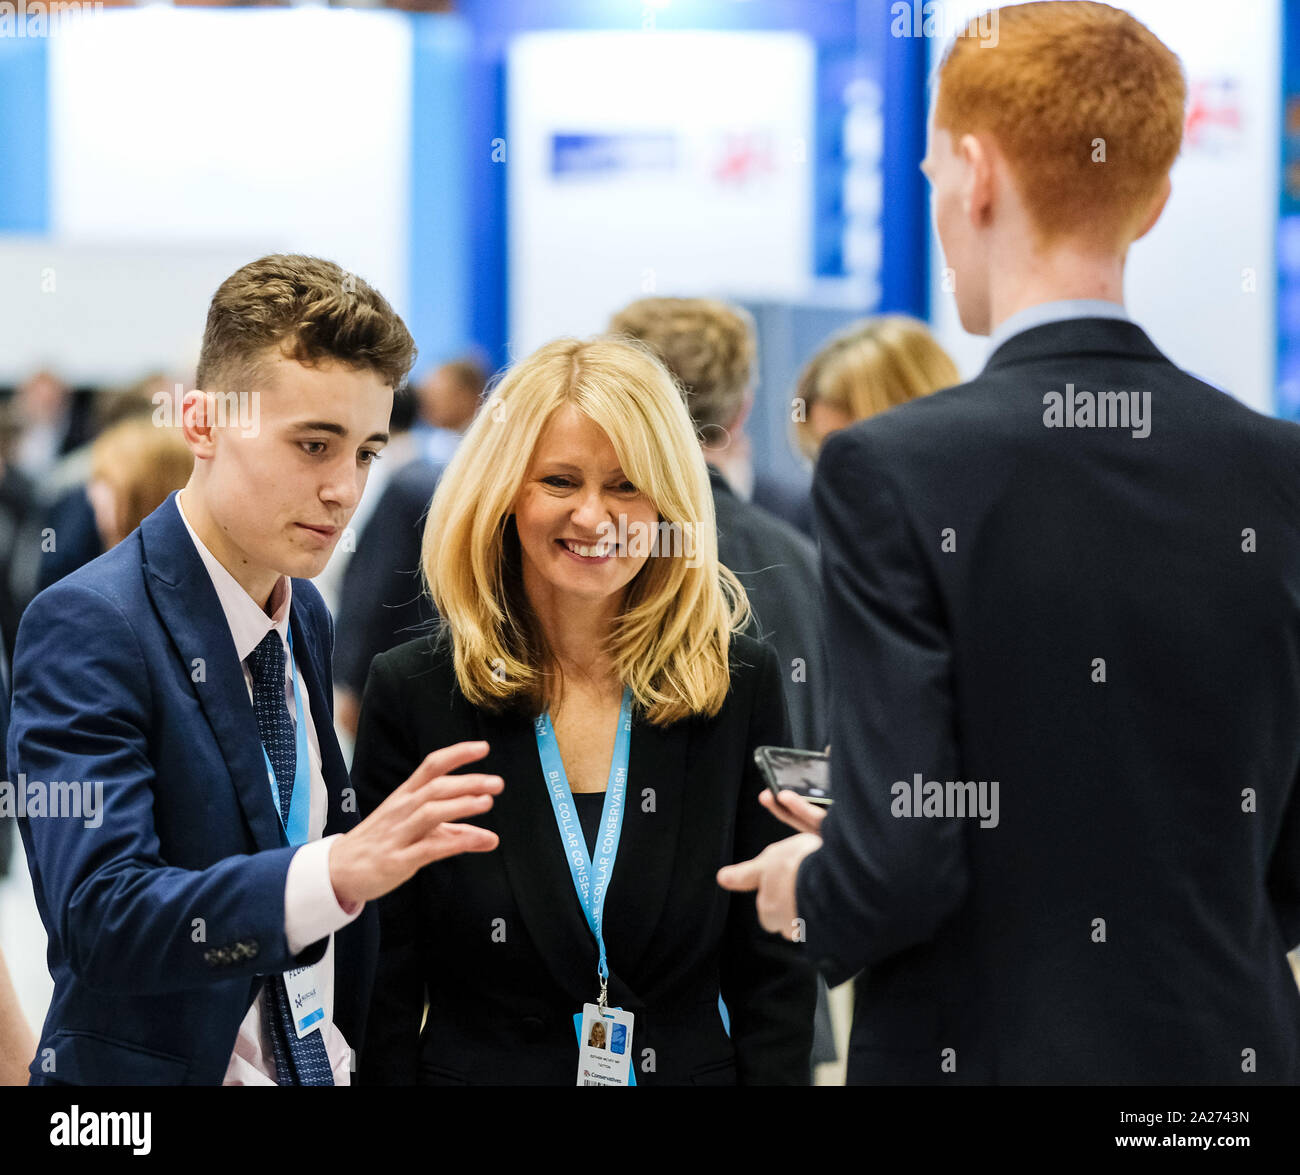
[[532, 1027]]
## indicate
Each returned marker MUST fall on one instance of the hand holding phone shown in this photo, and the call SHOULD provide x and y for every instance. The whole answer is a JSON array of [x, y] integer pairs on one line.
[[806, 773], [797, 794]]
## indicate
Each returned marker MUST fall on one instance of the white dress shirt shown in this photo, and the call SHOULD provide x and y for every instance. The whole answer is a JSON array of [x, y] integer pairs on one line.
[[311, 910]]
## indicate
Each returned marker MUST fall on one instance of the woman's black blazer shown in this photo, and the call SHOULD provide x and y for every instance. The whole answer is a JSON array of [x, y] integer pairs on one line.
[[497, 942]]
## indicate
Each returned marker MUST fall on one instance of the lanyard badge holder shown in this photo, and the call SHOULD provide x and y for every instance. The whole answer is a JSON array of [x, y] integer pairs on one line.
[[302, 985], [604, 1033]]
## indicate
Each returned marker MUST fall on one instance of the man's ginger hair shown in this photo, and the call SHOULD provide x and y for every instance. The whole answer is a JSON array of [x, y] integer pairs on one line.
[[1085, 102]]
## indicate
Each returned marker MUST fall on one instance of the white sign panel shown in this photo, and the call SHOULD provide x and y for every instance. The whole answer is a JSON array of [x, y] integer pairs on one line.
[[290, 128], [654, 163]]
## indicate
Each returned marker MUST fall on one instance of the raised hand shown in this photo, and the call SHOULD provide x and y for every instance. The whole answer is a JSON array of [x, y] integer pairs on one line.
[[413, 826]]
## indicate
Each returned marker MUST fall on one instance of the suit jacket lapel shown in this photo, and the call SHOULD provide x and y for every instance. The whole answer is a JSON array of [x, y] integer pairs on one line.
[[652, 830], [187, 602], [534, 859], [538, 871]]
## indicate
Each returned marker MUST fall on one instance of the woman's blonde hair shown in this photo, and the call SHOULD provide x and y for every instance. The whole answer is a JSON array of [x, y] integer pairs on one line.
[[870, 366], [142, 462], [670, 642]]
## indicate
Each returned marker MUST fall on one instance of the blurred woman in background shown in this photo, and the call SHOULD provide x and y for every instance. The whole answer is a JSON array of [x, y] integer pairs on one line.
[[134, 466], [864, 369]]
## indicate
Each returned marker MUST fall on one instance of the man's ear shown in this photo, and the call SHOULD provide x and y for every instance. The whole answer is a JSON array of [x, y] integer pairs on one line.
[[1158, 203], [198, 422], [978, 181], [742, 414]]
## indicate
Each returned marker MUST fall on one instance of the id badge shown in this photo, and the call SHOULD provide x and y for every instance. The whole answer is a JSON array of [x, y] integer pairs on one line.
[[605, 1046], [305, 1000]]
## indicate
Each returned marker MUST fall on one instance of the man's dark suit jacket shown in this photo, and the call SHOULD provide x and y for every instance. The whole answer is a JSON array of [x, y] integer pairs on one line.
[[163, 920], [791, 503], [1128, 917], [382, 601], [72, 518], [778, 568], [498, 941]]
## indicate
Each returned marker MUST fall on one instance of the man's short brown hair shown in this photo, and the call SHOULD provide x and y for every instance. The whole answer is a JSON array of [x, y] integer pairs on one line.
[[708, 347], [468, 373], [1086, 103], [312, 310]]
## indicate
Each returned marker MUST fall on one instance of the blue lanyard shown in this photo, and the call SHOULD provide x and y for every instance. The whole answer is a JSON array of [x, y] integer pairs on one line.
[[296, 832], [590, 879]]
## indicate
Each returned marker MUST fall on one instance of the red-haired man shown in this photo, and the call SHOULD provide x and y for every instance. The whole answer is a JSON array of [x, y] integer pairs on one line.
[[1063, 617]]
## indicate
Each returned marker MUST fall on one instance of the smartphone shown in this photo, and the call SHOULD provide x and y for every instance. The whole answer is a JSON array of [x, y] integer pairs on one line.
[[806, 773]]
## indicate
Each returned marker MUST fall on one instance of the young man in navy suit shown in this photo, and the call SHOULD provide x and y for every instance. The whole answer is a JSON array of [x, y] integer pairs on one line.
[[194, 844], [1063, 606]]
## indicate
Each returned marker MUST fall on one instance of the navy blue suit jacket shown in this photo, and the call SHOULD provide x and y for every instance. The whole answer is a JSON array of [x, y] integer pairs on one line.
[[163, 919]]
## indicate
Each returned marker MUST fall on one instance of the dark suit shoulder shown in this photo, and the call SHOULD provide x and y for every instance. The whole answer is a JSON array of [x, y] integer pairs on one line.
[[110, 586], [402, 505], [934, 427], [428, 655], [415, 482], [747, 659], [762, 531], [1000, 412], [116, 572], [932, 415], [1282, 436]]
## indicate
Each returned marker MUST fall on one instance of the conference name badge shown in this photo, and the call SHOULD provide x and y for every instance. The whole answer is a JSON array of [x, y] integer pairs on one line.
[[306, 1001], [605, 1046]]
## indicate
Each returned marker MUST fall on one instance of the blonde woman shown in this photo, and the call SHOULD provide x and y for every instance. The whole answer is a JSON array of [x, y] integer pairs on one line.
[[866, 368], [134, 467], [570, 550]]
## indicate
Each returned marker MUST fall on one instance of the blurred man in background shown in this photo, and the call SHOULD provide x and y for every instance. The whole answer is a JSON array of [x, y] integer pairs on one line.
[[447, 400]]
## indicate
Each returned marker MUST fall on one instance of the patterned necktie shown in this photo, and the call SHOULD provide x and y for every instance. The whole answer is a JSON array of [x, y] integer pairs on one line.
[[298, 1061]]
